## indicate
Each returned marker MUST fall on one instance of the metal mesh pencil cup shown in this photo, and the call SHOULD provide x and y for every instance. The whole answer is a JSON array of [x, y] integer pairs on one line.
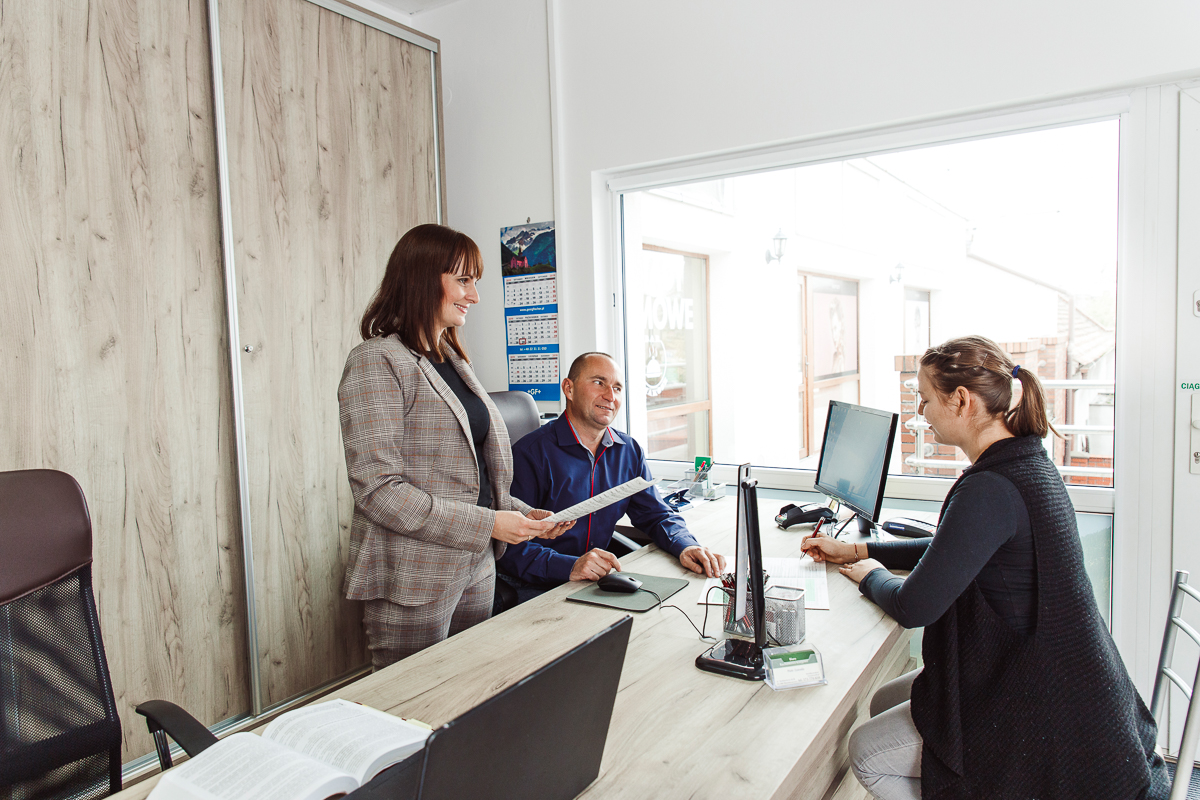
[[784, 618]]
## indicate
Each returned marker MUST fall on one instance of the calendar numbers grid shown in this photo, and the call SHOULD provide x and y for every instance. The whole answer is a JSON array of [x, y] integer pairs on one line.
[[532, 329], [527, 368], [530, 290]]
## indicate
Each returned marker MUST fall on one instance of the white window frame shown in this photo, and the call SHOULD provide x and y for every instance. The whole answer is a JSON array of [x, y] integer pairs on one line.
[[1142, 500]]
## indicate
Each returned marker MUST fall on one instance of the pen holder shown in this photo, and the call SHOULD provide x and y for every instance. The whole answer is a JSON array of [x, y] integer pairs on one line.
[[783, 621], [704, 489]]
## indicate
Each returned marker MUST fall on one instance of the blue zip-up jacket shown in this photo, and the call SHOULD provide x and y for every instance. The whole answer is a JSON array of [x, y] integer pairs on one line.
[[552, 470]]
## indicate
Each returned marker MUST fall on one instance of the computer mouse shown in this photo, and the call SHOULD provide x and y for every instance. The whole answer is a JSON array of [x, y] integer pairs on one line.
[[616, 582], [792, 514]]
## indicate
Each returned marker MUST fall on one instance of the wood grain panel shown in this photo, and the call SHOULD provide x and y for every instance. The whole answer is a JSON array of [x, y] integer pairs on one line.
[[331, 137], [111, 330]]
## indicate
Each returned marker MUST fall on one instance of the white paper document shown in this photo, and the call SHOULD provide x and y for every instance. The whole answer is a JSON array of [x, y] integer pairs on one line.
[[794, 573], [602, 500]]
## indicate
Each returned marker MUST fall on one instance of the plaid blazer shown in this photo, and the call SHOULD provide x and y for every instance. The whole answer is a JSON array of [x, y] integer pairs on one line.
[[417, 531]]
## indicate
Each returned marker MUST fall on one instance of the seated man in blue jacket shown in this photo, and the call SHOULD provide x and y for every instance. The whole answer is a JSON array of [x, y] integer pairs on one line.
[[576, 457]]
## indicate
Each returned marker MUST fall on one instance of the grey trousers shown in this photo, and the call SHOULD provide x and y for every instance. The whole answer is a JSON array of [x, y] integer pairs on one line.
[[885, 751], [395, 631]]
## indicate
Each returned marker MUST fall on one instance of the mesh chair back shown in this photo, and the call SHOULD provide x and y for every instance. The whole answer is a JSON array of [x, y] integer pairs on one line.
[[1191, 726], [59, 732]]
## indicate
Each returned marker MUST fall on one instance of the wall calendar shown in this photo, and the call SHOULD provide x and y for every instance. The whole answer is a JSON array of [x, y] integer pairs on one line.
[[529, 268]]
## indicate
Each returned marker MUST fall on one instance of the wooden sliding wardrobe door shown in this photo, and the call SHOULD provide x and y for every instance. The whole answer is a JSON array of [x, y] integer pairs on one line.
[[332, 158], [112, 318]]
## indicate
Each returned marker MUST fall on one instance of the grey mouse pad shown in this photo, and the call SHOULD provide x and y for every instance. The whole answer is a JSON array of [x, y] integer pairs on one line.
[[638, 601]]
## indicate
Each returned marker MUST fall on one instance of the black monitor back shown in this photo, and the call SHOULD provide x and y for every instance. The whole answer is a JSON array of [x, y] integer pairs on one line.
[[542, 737]]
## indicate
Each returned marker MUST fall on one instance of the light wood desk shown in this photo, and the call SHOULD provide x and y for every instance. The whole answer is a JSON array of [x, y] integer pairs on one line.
[[676, 731]]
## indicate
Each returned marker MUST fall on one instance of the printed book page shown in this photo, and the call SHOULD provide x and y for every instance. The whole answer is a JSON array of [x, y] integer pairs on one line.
[[793, 573], [310, 753], [352, 737], [249, 767], [602, 500]]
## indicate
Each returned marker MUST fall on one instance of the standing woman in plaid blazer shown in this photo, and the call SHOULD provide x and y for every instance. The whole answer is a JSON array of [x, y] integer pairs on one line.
[[427, 455]]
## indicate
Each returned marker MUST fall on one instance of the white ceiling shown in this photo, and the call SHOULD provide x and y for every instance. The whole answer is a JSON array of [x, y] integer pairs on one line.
[[414, 6]]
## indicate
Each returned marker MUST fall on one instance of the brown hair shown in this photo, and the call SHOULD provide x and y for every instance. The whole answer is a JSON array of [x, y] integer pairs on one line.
[[979, 365], [410, 296], [580, 360]]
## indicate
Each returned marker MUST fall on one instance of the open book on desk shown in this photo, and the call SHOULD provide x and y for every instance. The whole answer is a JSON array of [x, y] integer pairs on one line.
[[311, 753]]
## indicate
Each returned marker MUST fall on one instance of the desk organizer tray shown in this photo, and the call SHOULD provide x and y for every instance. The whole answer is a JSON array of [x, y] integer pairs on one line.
[[638, 601]]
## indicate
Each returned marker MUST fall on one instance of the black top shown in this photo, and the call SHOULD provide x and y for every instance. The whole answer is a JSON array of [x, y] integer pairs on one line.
[[481, 423], [1050, 713], [984, 536]]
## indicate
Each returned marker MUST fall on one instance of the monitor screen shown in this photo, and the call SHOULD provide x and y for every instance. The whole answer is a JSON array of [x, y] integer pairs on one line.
[[855, 456]]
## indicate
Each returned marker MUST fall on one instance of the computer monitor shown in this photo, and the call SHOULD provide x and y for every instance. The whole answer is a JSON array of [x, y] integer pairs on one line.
[[738, 658], [854, 458]]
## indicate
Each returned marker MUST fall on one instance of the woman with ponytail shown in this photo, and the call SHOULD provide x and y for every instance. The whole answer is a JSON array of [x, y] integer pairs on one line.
[[1022, 694]]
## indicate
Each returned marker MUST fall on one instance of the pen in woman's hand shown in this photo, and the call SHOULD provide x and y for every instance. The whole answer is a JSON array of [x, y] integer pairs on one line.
[[816, 530]]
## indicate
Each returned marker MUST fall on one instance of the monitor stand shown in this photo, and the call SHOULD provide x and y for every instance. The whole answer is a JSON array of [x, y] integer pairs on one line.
[[865, 526], [736, 658]]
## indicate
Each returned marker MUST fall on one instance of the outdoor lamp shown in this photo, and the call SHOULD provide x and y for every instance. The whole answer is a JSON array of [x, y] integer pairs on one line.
[[776, 251]]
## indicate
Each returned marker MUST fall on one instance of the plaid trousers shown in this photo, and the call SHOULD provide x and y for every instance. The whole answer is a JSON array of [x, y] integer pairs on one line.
[[395, 631]]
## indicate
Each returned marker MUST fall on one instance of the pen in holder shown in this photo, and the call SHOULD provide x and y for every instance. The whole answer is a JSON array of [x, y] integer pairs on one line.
[[783, 620]]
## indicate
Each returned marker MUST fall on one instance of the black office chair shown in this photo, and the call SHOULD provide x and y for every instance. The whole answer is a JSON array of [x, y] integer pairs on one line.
[[1184, 783], [60, 736], [519, 411], [521, 417]]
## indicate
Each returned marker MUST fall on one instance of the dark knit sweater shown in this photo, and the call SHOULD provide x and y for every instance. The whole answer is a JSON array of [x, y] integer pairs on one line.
[[1045, 715], [984, 537]]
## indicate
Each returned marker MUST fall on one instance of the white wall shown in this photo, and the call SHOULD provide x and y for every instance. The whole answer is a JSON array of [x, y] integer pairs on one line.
[[643, 82], [640, 83], [496, 116]]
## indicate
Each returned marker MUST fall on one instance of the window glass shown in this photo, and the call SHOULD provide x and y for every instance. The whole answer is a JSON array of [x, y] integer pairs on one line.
[[835, 328], [674, 306], [916, 321], [829, 281]]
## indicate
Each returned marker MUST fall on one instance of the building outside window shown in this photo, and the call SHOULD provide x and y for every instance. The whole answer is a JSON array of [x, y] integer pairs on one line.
[[832, 332], [675, 344]]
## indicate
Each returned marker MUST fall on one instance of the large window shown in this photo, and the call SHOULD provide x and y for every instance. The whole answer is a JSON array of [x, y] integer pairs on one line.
[[752, 301]]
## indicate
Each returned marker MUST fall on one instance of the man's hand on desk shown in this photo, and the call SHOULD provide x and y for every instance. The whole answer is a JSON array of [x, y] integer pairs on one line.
[[594, 565], [702, 560]]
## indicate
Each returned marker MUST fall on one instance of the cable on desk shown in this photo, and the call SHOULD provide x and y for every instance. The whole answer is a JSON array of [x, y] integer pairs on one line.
[[703, 635], [837, 534], [700, 631]]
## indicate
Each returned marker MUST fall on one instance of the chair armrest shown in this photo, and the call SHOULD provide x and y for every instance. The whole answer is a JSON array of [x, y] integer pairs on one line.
[[630, 533], [626, 542], [165, 718]]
